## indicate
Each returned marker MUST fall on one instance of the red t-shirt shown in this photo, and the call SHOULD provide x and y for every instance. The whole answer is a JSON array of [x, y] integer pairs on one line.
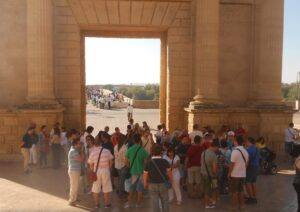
[[194, 155]]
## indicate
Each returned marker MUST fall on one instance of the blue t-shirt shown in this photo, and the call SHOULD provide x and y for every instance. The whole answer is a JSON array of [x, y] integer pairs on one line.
[[253, 156], [74, 165], [230, 145]]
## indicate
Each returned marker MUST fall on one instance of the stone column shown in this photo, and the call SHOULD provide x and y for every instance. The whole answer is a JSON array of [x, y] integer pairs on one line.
[[266, 86], [206, 53], [40, 52]]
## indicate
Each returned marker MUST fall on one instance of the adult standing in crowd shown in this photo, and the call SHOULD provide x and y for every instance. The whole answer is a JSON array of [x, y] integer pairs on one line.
[[156, 176], [209, 174], [119, 152], [25, 148], [291, 134], [174, 162], [237, 173], [129, 112], [44, 140], [193, 164], [33, 159], [56, 147], [103, 182], [136, 157], [75, 159], [147, 141], [252, 170]]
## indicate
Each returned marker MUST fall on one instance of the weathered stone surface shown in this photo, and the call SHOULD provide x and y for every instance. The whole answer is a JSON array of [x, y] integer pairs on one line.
[[212, 50]]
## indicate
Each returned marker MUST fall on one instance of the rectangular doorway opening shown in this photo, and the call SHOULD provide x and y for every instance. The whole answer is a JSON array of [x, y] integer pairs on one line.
[[119, 72]]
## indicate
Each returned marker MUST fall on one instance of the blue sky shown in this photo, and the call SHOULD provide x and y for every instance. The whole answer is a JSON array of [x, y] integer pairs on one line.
[[138, 60], [291, 44]]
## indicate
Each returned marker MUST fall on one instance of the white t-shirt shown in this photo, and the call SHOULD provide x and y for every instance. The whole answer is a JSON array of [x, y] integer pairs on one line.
[[239, 168], [130, 109], [175, 171], [194, 133], [63, 138], [290, 133]]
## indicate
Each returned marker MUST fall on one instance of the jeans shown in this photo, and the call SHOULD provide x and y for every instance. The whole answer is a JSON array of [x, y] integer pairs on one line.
[[159, 194], [122, 172]]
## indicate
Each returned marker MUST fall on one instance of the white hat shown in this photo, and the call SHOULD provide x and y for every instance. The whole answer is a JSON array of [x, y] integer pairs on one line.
[[230, 133]]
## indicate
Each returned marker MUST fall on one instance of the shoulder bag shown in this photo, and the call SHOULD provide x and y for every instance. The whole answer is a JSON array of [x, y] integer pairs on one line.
[[166, 182], [93, 176]]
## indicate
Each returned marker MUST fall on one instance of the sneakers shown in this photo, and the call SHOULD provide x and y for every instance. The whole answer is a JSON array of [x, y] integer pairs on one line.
[[210, 206], [107, 206], [126, 205]]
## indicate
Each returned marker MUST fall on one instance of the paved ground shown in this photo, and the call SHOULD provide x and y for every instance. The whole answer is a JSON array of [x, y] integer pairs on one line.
[[99, 118], [46, 189]]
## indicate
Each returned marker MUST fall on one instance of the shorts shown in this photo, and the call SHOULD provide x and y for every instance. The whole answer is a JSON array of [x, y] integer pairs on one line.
[[237, 184], [194, 175], [136, 183], [103, 182], [252, 173], [208, 185], [288, 147]]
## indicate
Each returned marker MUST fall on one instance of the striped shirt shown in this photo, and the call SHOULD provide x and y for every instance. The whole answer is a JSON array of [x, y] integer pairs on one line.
[[74, 164], [105, 157]]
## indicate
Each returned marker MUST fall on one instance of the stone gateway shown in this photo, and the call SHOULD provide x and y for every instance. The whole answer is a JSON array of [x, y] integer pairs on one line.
[[220, 61]]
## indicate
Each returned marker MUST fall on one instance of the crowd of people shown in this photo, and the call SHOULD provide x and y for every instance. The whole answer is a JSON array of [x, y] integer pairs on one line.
[[203, 163], [101, 100]]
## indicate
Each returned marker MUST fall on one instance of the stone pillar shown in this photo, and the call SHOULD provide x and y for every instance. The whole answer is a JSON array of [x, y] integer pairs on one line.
[[206, 53], [266, 86], [40, 52]]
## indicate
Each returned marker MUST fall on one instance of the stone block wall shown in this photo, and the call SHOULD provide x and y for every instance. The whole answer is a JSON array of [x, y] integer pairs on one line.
[[13, 125]]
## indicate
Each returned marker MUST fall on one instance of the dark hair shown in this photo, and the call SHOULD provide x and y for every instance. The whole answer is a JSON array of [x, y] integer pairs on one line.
[[195, 126], [159, 127], [240, 140], [128, 127], [251, 140], [117, 129], [89, 129], [43, 127], [171, 149], [166, 144], [197, 139], [56, 131], [260, 139], [223, 143], [215, 143], [90, 137], [136, 138], [156, 150], [75, 142], [291, 124], [72, 132]]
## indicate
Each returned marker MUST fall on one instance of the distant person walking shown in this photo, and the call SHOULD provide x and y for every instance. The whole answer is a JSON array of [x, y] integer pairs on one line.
[[129, 112], [291, 135], [33, 159], [44, 140], [56, 148]]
